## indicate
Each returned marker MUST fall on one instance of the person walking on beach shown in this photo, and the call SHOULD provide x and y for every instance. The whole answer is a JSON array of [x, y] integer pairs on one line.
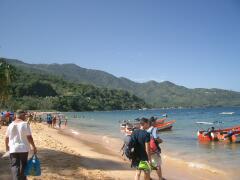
[[66, 121], [127, 138], [59, 121], [30, 118], [1, 120], [54, 121], [141, 138], [17, 141], [155, 140], [49, 120]]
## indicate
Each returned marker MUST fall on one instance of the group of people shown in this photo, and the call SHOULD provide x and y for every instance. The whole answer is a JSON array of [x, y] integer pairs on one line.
[[53, 119], [6, 118], [141, 146], [33, 117]]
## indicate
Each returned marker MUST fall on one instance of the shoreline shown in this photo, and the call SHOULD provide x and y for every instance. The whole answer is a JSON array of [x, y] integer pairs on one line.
[[69, 154], [181, 168]]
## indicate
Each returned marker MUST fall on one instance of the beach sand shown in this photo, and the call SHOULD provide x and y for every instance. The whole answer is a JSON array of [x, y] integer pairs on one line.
[[65, 154]]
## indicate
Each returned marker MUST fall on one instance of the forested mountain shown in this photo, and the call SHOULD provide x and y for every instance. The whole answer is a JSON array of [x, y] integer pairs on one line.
[[164, 94], [34, 90]]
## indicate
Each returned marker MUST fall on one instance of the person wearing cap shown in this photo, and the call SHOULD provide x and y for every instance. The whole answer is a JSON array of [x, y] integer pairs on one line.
[[127, 138], [18, 140]]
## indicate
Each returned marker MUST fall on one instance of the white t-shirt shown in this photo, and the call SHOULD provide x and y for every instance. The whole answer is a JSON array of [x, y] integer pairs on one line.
[[153, 132], [17, 133]]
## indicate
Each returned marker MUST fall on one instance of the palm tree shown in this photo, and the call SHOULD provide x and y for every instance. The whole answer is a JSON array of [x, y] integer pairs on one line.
[[7, 74]]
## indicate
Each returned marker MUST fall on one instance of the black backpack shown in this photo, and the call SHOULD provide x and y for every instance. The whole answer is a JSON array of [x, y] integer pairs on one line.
[[129, 149]]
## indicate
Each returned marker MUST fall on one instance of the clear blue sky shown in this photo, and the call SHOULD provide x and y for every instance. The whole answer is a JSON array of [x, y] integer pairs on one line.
[[189, 42]]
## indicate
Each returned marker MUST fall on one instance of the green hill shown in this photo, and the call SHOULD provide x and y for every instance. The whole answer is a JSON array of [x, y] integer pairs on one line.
[[36, 90], [164, 94]]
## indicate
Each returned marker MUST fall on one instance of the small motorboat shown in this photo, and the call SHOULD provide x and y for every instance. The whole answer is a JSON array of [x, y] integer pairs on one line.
[[227, 113], [134, 124], [164, 126], [161, 121], [161, 125], [231, 134]]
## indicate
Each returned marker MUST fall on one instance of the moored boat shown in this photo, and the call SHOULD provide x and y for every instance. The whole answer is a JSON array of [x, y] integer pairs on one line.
[[161, 125], [231, 134], [227, 113], [161, 121], [165, 125]]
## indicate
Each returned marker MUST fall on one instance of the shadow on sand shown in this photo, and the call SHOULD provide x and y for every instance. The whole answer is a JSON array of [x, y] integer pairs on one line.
[[5, 172], [57, 160], [66, 164]]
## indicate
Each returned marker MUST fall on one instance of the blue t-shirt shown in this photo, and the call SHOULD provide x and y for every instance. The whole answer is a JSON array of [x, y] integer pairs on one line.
[[141, 137]]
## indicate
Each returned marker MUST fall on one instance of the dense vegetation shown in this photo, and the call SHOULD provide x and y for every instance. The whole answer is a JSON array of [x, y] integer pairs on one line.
[[34, 91], [165, 94], [6, 77]]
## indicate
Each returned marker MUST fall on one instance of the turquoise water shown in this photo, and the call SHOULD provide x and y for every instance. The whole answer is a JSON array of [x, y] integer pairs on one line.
[[181, 143]]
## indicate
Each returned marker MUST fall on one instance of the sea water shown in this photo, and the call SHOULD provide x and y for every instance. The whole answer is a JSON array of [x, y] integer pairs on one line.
[[181, 143]]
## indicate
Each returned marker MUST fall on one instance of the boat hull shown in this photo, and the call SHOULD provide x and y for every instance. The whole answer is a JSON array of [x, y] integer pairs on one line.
[[228, 135], [165, 126]]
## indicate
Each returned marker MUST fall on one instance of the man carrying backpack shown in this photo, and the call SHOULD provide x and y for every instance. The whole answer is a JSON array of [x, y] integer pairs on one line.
[[17, 141], [140, 139], [126, 140], [155, 150]]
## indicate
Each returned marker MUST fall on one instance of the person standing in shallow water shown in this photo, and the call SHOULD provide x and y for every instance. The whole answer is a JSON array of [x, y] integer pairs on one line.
[[17, 142]]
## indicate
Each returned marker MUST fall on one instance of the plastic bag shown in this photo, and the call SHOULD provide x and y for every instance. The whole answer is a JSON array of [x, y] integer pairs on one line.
[[33, 167]]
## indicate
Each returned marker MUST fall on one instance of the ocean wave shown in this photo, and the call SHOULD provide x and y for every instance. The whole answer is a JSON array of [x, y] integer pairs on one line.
[[74, 132], [204, 167], [195, 165]]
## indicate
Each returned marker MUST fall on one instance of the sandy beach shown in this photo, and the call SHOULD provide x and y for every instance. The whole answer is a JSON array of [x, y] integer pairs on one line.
[[75, 155]]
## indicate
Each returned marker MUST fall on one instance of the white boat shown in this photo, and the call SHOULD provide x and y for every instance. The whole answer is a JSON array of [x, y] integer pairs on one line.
[[227, 113]]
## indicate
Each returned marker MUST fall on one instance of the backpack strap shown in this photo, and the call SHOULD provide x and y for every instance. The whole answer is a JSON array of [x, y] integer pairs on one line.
[[159, 149], [151, 133]]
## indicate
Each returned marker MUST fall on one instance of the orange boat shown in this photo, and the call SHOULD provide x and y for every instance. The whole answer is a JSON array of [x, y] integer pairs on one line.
[[160, 121], [165, 125], [231, 134]]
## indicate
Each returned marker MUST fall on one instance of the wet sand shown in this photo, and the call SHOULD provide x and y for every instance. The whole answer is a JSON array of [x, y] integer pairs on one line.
[[65, 154]]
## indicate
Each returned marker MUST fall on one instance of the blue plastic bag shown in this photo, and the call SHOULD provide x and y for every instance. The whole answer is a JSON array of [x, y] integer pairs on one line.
[[33, 167]]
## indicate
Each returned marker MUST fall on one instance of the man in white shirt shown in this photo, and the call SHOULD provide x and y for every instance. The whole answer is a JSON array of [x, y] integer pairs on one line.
[[17, 141]]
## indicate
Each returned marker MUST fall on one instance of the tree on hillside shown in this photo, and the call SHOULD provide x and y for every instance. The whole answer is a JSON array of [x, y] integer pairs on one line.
[[7, 75]]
